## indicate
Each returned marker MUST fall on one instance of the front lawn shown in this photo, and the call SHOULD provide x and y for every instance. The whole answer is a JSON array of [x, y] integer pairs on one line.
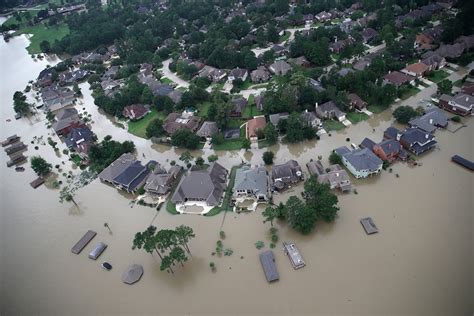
[[250, 111], [356, 117], [171, 207], [166, 80], [228, 144], [138, 128], [203, 108], [285, 36], [226, 207], [41, 32], [409, 92], [332, 125], [438, 75]]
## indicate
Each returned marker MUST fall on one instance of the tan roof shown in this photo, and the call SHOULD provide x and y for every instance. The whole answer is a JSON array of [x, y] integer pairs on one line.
[[255, 124]]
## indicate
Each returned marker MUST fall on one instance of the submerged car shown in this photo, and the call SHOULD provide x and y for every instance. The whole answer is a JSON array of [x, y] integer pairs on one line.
[[107, 266]]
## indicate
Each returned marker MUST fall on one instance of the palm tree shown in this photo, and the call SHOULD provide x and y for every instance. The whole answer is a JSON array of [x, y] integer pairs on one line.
[[106, 225], [165, 238], [184, 234], [166, 263], [147, 241], [67, 195]]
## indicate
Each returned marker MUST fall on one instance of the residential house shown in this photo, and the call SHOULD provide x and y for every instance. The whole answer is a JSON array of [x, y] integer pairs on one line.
[[252, 183], [414, 140], [253, 127], [334, 175], [238, 73], [135, 112], [213, 74], [434, 62], [344, 71], [316, 85], [339, 45], [71, 77], [125, 173], [398, 79], [417, 70], [356, 102], [329, 110], [207, 129], [175, 96], [322, 16], [368, 34], [111, 87], [367, 143], [202, 186], [55, 97], [238, 106], [299, 61], [423, 42], [175, 121], [45, 78], [280, 67], [448, 51], [309, 118], [277, 117], [279, 50], [66, 120], [259, 75], [462, 104], [430, 121], [284, 175], [160, 182], [360, 162], [468, 88], [79, 139], [389, 150]]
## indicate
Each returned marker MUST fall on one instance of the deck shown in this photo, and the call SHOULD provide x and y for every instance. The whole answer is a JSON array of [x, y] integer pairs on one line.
[[369, 225], [37, 182], [10, 140], [15, 148], [77, 248], [463, 162], [293, 253], [16, 159], [267, 259]]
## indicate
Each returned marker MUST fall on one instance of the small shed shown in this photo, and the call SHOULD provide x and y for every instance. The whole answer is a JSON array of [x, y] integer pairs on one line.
[[267, 259], [369, 225]]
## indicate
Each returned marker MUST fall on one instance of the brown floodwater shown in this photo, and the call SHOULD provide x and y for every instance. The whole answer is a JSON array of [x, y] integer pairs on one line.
[[420, 263]]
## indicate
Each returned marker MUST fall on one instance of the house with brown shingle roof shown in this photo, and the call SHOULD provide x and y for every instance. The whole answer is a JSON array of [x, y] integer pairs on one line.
[[356, 102], [135, 112], [397, 78], [416, 70], [175, 121], [253, 126]]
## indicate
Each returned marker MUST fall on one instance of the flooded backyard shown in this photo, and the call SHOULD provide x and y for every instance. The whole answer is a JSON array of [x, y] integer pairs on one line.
[[420, 262]]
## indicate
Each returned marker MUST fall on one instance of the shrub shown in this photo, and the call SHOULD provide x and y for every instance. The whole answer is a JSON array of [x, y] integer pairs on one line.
[[259, 244], [456, 119], [268, 157]]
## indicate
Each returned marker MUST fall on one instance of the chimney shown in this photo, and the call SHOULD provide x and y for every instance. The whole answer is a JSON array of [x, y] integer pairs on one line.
[[431, 121], [426, 136]]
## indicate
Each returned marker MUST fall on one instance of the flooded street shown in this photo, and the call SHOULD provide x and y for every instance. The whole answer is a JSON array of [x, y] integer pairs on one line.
[[420, 262]]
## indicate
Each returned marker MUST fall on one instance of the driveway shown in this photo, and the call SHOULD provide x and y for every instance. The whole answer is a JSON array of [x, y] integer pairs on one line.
[[172, 76]]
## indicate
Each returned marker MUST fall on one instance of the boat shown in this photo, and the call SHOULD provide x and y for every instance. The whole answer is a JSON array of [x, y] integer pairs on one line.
[[97, 251], [293, 253], [463, 162], [19, 169]]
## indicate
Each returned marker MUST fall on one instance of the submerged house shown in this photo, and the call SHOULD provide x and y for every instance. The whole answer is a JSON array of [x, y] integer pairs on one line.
[[284, 175], [202, 186], [252, 183], [253, 127], [461, 104], [414, 140], [207, 129], [430, 121], [66, 120], [334, 175], [125, 173], [360, 162], [79, 139], [160, 182], [329, 110]]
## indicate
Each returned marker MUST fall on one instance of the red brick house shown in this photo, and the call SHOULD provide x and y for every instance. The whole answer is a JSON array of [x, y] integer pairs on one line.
[[389, 150]]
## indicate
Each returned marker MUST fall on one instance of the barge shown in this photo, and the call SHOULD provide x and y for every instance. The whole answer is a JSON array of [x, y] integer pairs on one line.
[[293, 253]]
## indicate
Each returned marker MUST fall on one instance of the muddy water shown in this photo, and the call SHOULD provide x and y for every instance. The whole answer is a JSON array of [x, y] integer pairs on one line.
[[420, 263]]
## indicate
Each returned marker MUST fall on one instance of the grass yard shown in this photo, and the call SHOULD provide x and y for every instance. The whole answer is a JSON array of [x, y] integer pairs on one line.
[[235, 123], [376, 108], [458, 83], [285, 36], [138, 128], [438, 75], [171, 207], [166, 80], [409, 92], [332, 125], [203, 108], [356, 117], [228, 144], [40, 33], [250, 111]]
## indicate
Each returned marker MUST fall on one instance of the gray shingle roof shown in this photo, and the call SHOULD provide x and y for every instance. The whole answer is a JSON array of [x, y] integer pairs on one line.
[[432, 119], [252, 179], [363, 159]]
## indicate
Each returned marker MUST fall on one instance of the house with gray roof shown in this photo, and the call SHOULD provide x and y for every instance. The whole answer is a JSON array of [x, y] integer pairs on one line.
[[66, 120], [238, 73], [125, 173], [310, 119], [360, 162], [252, 183], [284, 175], [160, 182], [202, 186], [280, 67], [334, 175], [277, 117], [316, 85], [430, 121], [461, 104], [416, 140], [329, 110], [258, 100], [207, 129], [259, 75]]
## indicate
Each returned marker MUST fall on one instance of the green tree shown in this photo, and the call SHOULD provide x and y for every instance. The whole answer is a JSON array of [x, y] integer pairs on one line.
[[212, 158], [185, 138], [178, 255], [271, 134], [404, 114], [40, 166], [270, 214], [199, 162], [67, 195], [300, 217], [184, 234], [335, 159], [155, 128], [166, 264], [321, 200], [268, 157], [246, 144], [445, 87], [186, 157]]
